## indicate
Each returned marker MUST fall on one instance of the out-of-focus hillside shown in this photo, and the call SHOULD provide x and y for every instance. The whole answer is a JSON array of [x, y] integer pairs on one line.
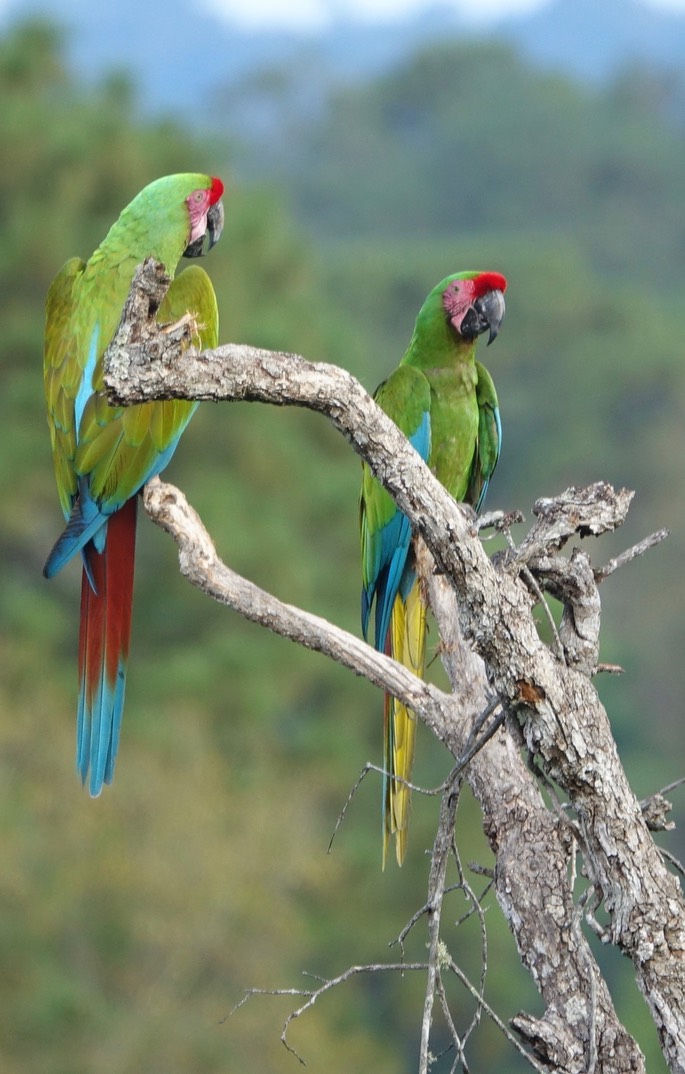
[[199, 47]]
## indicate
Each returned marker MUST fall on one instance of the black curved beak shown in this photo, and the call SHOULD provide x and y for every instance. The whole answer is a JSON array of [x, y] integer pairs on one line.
[[485, 315], [215, 225]]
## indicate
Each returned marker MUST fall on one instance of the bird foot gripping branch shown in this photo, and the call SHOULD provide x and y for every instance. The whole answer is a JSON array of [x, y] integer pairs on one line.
[[144, 358], [140, 340]]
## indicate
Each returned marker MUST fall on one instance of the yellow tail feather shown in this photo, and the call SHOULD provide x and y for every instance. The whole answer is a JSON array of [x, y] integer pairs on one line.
[[408, 646]]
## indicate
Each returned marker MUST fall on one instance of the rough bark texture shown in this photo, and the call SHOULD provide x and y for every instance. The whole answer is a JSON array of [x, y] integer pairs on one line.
[[549, 694], [535, 853]]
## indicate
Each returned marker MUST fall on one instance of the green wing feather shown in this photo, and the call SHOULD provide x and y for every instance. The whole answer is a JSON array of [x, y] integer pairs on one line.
[[489, 438], [192, 292], [122, 447], [62, 374]]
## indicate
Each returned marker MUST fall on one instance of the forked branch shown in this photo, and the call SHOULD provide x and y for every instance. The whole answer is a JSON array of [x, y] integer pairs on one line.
[[551, 701]]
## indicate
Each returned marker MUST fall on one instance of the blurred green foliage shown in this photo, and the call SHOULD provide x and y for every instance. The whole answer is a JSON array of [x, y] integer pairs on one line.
[[132, 924]]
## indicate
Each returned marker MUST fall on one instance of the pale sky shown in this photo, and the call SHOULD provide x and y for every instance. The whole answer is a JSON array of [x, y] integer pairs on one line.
[[316, 14]]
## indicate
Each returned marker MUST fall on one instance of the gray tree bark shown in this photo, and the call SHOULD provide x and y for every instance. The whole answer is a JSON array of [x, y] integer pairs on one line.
[[492, 649]]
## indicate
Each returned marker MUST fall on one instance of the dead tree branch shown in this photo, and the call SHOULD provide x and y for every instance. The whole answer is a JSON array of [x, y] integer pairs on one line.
[[552, 701], [201, 565], [533, 849]]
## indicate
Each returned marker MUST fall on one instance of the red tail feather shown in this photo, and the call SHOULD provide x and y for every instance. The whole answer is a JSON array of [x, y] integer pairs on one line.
[[103, 643]]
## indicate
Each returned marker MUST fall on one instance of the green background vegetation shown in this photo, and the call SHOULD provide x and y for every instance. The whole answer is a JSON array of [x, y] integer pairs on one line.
[[130, 925]]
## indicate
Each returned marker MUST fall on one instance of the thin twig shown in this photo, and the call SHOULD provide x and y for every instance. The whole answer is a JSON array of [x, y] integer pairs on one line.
[[459, 973], [436, 888], [429, 792], [672, 860], [477, 746], [477, 908], [467, 756], [672, 786], [636, 550], [458, 1041], [532, 581], [368, 767], [314, 994]]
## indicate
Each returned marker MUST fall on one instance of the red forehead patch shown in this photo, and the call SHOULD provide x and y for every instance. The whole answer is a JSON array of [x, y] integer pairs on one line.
[[488, 281], [215, 191]]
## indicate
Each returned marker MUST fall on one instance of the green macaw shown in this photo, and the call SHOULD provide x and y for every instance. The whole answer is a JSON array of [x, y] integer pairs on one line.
[[445, 403], [103, 455]]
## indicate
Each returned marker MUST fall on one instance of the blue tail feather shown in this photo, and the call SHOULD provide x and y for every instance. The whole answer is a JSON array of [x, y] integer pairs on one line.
[[97, 732], [84, 525]]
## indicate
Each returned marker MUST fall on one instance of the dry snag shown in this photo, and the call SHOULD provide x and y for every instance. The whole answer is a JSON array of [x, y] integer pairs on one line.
[[511, 693]]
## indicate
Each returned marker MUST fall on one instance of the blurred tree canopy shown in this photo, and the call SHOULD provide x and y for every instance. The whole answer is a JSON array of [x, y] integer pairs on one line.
[[132, 923]]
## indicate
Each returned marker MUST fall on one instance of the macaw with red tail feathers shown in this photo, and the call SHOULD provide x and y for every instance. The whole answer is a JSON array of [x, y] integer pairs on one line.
[[445, 403], [103, 455]]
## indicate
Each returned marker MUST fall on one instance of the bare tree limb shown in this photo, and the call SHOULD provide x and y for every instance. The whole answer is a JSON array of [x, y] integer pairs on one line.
[[200, 564], [533, 849], [555, 704]]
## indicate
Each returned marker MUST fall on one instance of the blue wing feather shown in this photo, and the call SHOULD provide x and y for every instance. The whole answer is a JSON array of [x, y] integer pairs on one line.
[[391, 572]]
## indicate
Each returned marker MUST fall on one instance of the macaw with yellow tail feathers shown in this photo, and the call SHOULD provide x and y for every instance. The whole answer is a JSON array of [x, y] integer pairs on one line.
[[445, 403], [103, 455]]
